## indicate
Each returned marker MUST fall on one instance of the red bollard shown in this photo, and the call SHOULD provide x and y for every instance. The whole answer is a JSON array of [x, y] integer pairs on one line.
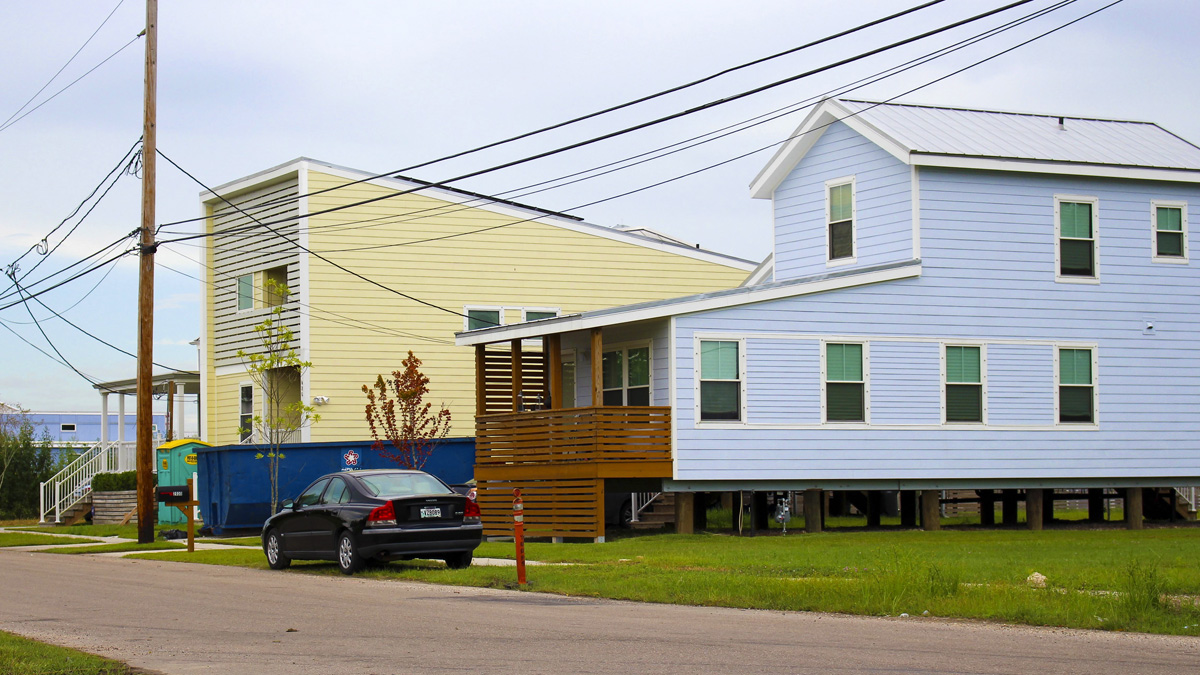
[[519, 534]]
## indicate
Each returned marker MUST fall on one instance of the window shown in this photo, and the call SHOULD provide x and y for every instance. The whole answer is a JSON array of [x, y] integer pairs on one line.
[[1077, 245], [535, 315], [275, 283], [845, 386], [625, 374], [720, 380], [482, 318], [337, 493], [245, 292], [312, 495], [66, 428], [246, 414], [568, 381], [839, 214], [1076, 386], [1170, 231], [964, 384]]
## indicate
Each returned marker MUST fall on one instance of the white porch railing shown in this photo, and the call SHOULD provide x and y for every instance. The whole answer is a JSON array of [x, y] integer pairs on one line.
[[1188, 496], [641, 501], [68, 487]]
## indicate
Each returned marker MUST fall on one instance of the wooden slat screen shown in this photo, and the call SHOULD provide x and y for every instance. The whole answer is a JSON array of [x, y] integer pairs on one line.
[[574, 435], [553, 507], [497, 379]]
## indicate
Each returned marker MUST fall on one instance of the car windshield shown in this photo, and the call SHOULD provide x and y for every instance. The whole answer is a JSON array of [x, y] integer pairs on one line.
[[400, 484]]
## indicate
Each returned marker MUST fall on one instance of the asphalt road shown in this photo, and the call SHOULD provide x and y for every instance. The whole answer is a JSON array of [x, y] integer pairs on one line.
[[180, 618]]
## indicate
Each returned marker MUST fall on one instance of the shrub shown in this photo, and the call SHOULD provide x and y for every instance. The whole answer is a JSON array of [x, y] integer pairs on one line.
[[114, 482]]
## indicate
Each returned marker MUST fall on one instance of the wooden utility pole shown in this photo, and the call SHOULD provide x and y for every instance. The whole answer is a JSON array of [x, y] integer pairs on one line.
[[145, 361]]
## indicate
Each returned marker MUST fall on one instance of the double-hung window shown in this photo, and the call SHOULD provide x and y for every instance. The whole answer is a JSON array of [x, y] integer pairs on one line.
[[1076, 386], [720, 380], [1170, 231], [626, 376], [246, 413], [245, 292], [839, 215], [964, 384], [1076, 222], [845, 383]]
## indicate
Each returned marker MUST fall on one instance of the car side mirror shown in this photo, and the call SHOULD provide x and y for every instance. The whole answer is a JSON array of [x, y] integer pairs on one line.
[[287, 504]]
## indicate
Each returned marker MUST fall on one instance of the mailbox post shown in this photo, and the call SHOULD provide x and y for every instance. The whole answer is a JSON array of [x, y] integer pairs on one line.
[[180, 496], [519, 534]]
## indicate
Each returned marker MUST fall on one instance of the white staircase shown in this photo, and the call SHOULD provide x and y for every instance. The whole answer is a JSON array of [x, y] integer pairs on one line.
[[69, 486], [1187, 501]]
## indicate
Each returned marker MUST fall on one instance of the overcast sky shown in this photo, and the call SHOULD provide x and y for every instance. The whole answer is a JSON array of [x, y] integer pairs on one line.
[[380, 86]]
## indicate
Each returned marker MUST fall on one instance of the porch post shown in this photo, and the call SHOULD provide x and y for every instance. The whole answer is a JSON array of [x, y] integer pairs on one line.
[[1133, 508], [813, 505], [180, 427], [516, 375], [1035, 503], [170, 420], [931, 515], [597, 367], [104, 417], [480, 380], [121, 418], [552, 345]]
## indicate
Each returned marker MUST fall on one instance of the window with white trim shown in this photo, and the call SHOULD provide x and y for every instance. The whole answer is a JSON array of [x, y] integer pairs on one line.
[[245, 292], [67, 428], [626, 376], [963, 384], [1170, 231], [720, 381], [1077, 241], [839, 218], [483, 317], [1076, 386], [845, 383], [246, 413], [538, 314]]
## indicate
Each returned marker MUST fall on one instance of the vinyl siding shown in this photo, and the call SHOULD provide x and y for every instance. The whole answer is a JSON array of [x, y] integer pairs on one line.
[[883, 205], [988, 275]]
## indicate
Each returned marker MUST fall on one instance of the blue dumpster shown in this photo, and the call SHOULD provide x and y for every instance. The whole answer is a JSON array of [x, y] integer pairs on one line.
[[235, 491]]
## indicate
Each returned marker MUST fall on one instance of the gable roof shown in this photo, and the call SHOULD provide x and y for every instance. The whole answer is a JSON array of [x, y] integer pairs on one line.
[[453, 195], [924, 135]]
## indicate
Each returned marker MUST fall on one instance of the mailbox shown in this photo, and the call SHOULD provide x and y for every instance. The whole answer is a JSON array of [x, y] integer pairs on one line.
[[171, 494]]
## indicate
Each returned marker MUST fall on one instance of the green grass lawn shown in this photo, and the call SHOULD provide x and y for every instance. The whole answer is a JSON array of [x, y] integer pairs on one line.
[[24, 539], [21, 656], [237, 541], [125, 531], [117, 548], [1105, 579]]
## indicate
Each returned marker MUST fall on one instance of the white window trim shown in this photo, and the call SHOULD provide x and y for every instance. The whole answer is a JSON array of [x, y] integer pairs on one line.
[[866, 368], [62, 428], [624, 348], [1080, 199], [1095, 423], [467, 309], [845, 180], [983, 410], [741, 342], [243, 385], [1183, 221], [237, 293]]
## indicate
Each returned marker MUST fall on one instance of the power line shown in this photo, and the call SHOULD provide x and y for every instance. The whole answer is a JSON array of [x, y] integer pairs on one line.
[[80, 300], [95, 254], [64, 66], [69, 279], [592, 115], [650, 123], [64, 361]]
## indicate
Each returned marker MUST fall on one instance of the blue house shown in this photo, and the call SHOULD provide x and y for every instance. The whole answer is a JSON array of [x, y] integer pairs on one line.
[[956, 300]]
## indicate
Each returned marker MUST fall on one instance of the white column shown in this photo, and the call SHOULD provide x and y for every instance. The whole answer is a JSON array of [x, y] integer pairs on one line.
[[104, 417], [177, 414], [121, 418]]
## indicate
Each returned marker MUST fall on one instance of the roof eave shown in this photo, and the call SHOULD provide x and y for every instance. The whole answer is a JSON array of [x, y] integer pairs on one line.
[[1055, 167]]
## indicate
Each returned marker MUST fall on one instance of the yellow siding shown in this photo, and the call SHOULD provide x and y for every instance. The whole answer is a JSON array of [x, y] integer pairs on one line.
[[519, 265]]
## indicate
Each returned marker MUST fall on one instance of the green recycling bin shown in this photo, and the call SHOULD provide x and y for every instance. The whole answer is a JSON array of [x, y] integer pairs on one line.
[[176, 466]]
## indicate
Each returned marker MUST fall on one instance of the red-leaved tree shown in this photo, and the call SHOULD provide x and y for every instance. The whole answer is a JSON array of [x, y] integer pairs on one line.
[[396, 411]]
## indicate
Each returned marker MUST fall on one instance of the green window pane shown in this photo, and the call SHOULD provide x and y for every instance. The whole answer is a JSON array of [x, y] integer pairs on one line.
[[720, 401], [1077, 258], [1075, 219], [718, 360], [535, 316], [1170, 243], [844, 402], [612, 370], [841, 203], [245, 292], [964, 403], [841, 240], [482, 318], [1075, 366], [843, 363], [1075, 404], [962, 364], [1170, 219], [639, 367]]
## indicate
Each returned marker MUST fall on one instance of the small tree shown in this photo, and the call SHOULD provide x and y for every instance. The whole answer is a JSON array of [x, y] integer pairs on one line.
[[25, 462], [277, 372], [403, 418]]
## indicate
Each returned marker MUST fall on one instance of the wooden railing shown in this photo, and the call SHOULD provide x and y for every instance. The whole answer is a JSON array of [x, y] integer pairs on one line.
[[611, 433]]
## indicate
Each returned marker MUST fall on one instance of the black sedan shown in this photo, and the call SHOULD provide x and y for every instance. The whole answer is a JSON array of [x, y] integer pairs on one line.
[[355, 516]]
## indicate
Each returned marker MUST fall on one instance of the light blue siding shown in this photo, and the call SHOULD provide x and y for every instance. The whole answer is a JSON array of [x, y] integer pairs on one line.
[[656, 332], [1015, 394], [783, 381], [906, 383], [883, 205]]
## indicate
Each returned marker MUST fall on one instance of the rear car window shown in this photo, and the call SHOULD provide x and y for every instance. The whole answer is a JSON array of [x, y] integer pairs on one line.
[[400, 484], [313, 494]]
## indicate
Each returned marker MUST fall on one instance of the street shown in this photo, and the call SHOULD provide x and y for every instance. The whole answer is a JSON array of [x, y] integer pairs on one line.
[[179, 618]]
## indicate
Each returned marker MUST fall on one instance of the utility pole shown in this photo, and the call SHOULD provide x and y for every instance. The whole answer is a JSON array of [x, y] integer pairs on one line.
[[145, 361]]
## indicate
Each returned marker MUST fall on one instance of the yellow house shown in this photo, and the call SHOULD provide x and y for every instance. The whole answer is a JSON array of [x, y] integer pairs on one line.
[[423, 265]]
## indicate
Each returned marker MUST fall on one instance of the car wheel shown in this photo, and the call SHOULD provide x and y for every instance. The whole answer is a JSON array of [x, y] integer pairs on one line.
[[275, 556], [348, 559], [625, 516], [459, 561]]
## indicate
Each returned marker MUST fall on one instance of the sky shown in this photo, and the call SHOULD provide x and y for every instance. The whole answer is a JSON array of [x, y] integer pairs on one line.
[[381, 86]]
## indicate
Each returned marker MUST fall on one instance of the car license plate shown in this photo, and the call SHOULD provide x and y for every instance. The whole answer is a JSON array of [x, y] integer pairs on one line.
[[431, 512]]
